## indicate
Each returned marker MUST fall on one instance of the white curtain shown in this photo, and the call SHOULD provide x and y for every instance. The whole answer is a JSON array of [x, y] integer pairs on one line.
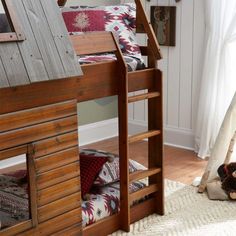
[[219, 72]]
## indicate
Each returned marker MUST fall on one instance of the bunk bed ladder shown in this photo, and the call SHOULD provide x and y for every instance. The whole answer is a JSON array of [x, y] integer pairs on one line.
[[154, 135]]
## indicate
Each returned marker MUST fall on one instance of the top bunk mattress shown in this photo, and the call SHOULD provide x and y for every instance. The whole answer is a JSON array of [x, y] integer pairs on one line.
[[133, 63]]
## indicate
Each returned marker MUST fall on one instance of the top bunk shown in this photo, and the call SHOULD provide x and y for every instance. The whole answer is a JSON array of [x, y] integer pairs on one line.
[[31, 50], [103, 75], [123, 20]]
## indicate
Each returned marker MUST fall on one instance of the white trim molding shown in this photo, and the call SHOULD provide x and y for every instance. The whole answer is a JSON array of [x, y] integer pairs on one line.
[[98, 131]]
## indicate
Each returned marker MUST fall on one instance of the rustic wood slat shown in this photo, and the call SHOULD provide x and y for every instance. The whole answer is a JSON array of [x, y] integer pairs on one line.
[[139, 80], [41, 131], [141, 136], [85, 44], [59, 207], [102, 76], [37, 94], [75, 230], [56, 160], [11, 58], [32, 187], [144, 192], [143, 96], [58, 175], [137, 175], [60, 35], [143, 20], [3, 80], [58, 191], [56, 224], [112, 224], [123, 141], [55, 144], [37, 115], [155, 143], [44, 39], [29, 49], [13, 152], [13, 230]]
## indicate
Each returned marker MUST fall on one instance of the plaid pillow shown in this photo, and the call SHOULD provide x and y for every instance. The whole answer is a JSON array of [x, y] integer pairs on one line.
[[90, 167], [110, 171], [119, 19]]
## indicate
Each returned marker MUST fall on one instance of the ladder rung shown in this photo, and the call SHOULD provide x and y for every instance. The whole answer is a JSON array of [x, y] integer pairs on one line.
[[141, 136], [143, 96], [137, 175], [143, 192]]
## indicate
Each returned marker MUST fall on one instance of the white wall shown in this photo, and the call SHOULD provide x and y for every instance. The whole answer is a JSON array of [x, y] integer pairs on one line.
[[1, 8], [181, 67]]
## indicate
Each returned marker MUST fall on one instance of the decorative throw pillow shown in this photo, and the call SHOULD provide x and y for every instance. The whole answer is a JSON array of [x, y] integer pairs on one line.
[[119, 19], [110, 171], [90, 167]]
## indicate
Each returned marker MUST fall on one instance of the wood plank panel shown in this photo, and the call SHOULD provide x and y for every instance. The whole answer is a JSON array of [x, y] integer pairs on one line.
[[37, 115], [29, 49], [75, 230], [58, 175], [55, 144], [44, 39], [37, 94], [59, 207], [56, 224], [16, 228], [60, 36], [103, 76], [13, 152], [173, 72], [186, 62], [144, 192], [58, 191], [45, 130], [111, 222], [3, 81], [56, 160], [139, 80], [11, 58], [198, 55], [85, 44]]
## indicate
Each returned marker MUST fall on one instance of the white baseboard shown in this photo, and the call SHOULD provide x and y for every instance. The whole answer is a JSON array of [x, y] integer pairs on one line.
[[175, 137], [98, 131], [13, 161]]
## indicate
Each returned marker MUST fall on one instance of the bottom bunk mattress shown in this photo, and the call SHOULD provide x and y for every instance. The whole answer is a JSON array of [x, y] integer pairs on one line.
[[133, 62], [101, 201], [105, 202], [14, 204]]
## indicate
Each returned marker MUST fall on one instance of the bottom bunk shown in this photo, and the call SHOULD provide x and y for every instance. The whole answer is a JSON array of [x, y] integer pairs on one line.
[[100, 190]]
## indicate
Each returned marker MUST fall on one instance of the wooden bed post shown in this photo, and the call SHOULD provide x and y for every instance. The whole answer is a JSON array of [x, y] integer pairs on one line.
[[123, 142]]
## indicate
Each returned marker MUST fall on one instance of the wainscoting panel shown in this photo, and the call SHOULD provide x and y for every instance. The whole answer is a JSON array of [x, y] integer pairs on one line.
[[182, 68]]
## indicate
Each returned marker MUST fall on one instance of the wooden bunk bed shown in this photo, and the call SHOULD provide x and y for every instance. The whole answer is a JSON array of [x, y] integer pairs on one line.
[[57, 99]]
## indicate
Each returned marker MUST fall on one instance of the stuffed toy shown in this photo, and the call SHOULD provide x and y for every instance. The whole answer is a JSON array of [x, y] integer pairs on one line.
[[227, 174]]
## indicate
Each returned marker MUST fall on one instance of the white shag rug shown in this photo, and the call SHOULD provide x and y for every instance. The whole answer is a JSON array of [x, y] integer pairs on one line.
[[188, 213]]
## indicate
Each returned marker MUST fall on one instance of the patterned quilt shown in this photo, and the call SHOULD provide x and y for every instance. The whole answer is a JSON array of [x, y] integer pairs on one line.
[[105, 202], [133, 62], [13, 200], [14, 208]]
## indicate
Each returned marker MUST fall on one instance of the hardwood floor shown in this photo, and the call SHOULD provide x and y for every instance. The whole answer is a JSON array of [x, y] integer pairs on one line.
[[179, 164]]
